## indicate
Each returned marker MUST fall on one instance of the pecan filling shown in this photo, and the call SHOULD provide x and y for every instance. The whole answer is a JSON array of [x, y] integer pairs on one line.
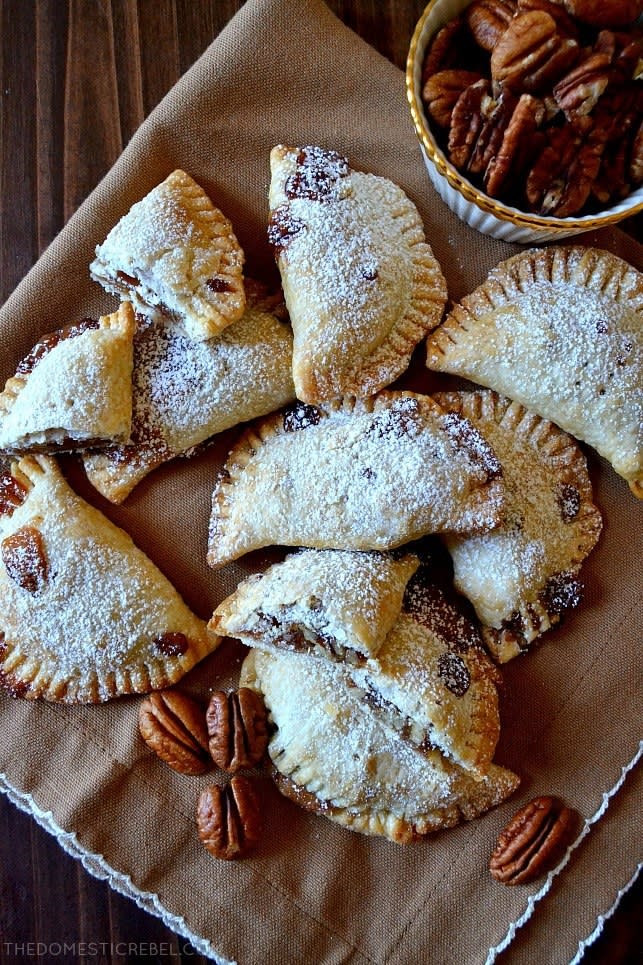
[[303, 639], [50, 341]]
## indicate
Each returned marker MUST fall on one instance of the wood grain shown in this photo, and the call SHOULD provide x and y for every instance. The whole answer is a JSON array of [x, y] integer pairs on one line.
[[77, 79]]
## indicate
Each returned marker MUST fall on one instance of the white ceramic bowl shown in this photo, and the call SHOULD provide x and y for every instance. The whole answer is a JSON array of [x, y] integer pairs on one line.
[[489, 216]]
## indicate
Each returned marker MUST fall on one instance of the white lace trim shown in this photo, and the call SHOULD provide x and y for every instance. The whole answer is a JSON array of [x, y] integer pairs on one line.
[[97, 866], [600, 921], [587, 827]]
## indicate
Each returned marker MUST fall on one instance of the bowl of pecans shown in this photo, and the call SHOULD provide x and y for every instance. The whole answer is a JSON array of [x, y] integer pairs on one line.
[[530, 112]]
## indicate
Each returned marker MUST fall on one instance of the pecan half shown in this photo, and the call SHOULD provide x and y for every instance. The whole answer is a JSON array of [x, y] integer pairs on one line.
[[488, 20], [564, 23], [442, 90], [517, 141], [531, 55], [605, 13], [467, 120], [229, 818], [533, 841], [561, 179], [237, 729], [23, 554], [173, 725], [577, 93], [444, 49]]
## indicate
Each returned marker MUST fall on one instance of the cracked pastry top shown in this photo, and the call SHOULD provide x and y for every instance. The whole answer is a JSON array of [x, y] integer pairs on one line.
[[358, 474], [524, 576], [73, 390], [560, 330], [362, 286], [332, 756], [337, 603], [186, 391], [86, 615], [176, 254]]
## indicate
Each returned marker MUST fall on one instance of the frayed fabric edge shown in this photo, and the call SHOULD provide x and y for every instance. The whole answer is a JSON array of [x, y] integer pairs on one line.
[[98, 867], [535, 898]]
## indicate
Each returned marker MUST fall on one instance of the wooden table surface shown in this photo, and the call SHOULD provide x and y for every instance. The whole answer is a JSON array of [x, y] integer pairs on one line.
[[78, 78]]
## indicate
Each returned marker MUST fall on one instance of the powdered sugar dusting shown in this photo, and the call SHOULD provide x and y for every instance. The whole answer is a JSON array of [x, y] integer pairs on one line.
[[343, 754], [366, 480], [548, 528], [571, 353], [186, 391], [102, 604]]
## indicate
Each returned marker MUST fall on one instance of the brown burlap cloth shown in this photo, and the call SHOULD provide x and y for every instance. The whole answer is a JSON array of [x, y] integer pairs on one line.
[[288, 71]]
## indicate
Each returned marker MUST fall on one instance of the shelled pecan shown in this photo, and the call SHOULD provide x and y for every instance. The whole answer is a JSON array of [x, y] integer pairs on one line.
[[533, 841], [237, 729], [531, 55], [442, 90], [229, 819], [488, 20], [173, 725]]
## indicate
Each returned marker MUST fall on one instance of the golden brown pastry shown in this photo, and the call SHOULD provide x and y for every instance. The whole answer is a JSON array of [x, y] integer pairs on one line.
[[422, 672], [73, 390], [86, 615], [359, 475], [522, 577], [335, 603], [186, 391], [334, 757], [559, 330], [175, 253], [361, 284]]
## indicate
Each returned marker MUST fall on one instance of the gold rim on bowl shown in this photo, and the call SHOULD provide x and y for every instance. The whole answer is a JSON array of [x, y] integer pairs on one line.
[[482, 201]]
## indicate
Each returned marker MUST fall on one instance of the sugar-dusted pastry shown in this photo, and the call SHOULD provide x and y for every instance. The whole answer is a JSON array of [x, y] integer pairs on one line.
[[560, 330], [186, 391], [361, 284], [86, 615], [369, 474], [175, 253], [522, 577], [334, 757], [432, 683], [73, 390], [336, 603]]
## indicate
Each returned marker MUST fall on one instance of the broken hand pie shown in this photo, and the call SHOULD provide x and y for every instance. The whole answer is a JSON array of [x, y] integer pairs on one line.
[[186, 391], [522, 577], [86, 615], [73, 390], [361, 284], [332, 756], [336, 603], [175, 253], [422, 672], [369, 474], [559, 329]]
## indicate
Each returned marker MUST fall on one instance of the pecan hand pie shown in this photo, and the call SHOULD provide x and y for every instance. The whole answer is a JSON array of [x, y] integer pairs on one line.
[[332, 603], [522, 577], [360, 475], [559, 330], [361, 284], [334, 757], [175, 253], [432, 684], [73, 390], [185, 391], [86, 615]]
